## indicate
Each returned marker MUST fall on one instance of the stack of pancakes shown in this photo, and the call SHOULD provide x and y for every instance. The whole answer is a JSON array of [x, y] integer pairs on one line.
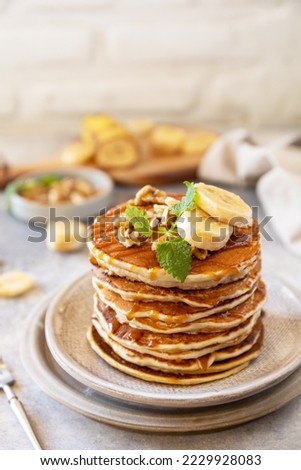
[[151, 326]]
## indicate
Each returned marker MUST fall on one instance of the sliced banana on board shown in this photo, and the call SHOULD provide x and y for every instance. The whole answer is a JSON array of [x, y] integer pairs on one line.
[[78, 153], [117, 154], [141, 127], [93, 125], [67, 235], [113, 133], [198, 142], [167, 140], [223, 205], [15, 283], [201, 230]]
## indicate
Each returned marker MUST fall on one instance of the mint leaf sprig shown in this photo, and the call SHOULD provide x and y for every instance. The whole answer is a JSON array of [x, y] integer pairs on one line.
[[188, 201], [174, 254], [138, 218]]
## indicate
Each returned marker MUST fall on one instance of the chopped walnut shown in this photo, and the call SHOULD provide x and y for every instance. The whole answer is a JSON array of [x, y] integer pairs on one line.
[[199, 253], [160, 210], [170, 201], [126, 234], [164, 217], [149, 194], [154, 223], [129, 238]]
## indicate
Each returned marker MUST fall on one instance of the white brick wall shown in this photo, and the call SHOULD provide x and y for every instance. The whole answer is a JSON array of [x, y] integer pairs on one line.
[[225, 63], [28, 45], [63, 4], [131, 94], [2, 4], [246, 39]]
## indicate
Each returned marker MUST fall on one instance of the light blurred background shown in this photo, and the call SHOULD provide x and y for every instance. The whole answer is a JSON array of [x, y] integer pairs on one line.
[[214, 62]]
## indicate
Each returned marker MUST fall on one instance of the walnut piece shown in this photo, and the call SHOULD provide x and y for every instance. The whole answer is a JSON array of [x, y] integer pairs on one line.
[[127, 236], [149, 195], [199, 253]]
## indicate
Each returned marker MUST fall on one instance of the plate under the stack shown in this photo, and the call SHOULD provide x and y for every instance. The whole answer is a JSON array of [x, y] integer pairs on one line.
[[56, 383], [283, 310], [68, 318]]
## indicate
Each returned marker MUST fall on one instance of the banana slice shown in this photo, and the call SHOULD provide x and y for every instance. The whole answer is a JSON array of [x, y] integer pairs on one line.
[[112, 133], [78, 153], [15, 283], [196, 143], [223, 205], [167, 140], [97, 122], [141, 127], [117, 154], [66, 235], [94, 125], [201, 230]]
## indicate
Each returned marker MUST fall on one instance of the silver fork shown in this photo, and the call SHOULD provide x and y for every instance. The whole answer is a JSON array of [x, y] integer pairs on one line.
[[6, 379]]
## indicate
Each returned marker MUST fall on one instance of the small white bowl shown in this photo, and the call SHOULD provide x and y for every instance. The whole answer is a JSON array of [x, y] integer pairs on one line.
[[25, 210]]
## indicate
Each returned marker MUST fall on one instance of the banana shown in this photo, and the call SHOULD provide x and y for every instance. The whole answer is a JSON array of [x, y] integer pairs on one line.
[[140, 127], [120, 153], [112, 133], [201, 230], [223, 205], [78, 153], [196, 143], [15, 283], [167, 140], [95, 125], [65, 235]]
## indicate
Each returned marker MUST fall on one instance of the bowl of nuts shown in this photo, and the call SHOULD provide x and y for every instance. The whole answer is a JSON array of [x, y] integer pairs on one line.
[[63, 192]]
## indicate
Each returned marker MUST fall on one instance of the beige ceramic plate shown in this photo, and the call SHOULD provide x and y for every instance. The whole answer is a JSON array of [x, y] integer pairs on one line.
[[66, 390], [68, 318]]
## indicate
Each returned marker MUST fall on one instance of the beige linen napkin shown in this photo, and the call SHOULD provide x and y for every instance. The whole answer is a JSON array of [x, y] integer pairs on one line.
[[276, 170], [279, 192], [237, 159]]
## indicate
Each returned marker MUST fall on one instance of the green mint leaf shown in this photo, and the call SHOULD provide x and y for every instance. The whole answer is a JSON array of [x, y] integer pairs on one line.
[[174, 257], [187, 202], [138, 218], [47, 180], [172, 231]]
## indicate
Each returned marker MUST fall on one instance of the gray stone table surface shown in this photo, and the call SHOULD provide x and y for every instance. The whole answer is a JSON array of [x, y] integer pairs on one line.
[[60, 428]]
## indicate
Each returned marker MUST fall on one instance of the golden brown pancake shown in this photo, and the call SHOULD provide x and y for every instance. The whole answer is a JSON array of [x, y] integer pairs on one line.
[[168, 317], [176, 346], [145, 373], [154, 327], [136, 291], [215, 361], [139, 263]]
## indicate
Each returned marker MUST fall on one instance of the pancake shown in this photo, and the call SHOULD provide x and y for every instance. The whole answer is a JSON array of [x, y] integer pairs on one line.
[[206, 298], [219, 361], [139, 263], [176, 346], [151, 323], [169, 317], [145, 373]]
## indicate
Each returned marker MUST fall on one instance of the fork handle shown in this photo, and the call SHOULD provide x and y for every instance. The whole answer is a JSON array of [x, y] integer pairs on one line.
[[19, 411]]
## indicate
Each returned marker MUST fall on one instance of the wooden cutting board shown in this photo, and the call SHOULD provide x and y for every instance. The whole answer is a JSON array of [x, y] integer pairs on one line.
[[150, 169], [153, 168], [159, 170]]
